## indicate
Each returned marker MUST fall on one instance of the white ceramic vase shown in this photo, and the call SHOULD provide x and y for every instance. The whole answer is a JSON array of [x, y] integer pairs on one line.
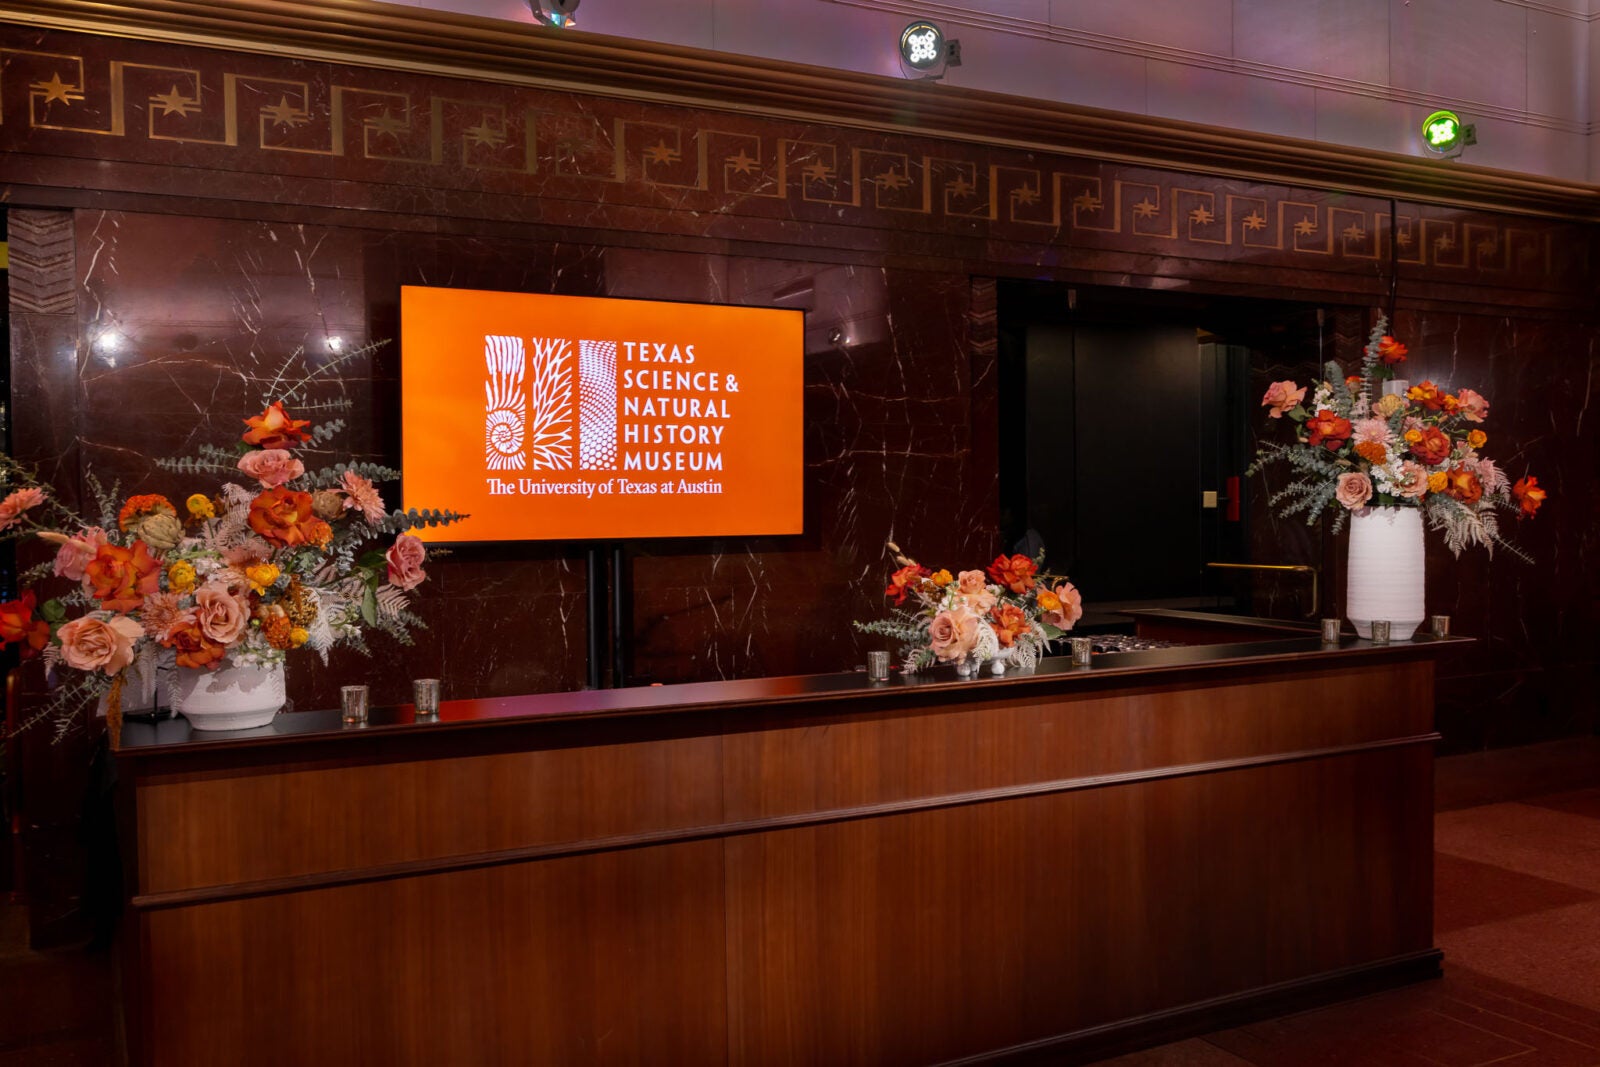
[[232, 697], [1385, 573]]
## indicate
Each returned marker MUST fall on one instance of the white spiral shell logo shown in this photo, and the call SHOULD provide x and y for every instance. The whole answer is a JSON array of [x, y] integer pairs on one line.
[[504, 423]]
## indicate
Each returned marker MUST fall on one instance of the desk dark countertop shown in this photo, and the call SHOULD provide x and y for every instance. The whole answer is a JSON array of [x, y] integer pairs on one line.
[[1121, 669]]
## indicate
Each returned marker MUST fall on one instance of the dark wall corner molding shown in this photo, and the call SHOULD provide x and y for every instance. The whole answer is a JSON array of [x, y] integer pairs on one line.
[[396, 37]]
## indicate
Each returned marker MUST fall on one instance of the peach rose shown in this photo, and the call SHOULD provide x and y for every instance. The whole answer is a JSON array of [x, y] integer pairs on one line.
[[953, 633], [1281, 397], [1472, 406], [92, 644], [405, 562], [980, 602], [284, 516], [1413, 480], [271, 467], [1354, 490], [968, 582], [1071, 609], [75, 553], [221, 616]]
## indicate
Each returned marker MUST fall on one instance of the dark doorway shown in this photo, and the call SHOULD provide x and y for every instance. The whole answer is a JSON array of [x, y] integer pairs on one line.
[[1126, 425]]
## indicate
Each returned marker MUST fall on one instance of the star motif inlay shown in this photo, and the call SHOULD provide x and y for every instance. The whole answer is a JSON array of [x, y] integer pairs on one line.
[[1025, 194], [1403, 240], [1353, 232], [1305, 227], [485, 135], [817, 172], [893, 179], [960, 188], [56, 89], [661, 152], [1445, 243], [1087, 201], [387, 124], [1255, 221], [284, 113], [175, 103], [1202, 215], [741, 163], [1145, 209]]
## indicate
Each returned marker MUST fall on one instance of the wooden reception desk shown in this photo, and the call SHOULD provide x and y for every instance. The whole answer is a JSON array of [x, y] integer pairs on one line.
[[810, 870]]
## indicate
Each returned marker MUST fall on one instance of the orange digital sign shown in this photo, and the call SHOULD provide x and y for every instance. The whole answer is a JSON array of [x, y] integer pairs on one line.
[[594, 418]]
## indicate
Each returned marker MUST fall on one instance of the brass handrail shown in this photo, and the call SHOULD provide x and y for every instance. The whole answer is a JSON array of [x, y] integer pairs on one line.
[[1296, 568]]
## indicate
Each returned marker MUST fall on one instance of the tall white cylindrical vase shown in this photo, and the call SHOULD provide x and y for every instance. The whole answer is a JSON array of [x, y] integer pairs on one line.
[[1385, 573]]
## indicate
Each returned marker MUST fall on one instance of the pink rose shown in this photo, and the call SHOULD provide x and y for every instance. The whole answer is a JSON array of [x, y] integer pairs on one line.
[[980, 602], [953, 633], [75, 552], [1354, 490], [12, 507], [1474, 408], [1413, 480], [1281, 397], [969, 582], [92, 644], [221, 615], [1071, 607], [271, 467], [405, 562]]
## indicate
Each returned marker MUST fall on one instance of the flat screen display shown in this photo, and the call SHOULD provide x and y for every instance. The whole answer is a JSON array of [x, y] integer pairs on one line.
[[593, 418]]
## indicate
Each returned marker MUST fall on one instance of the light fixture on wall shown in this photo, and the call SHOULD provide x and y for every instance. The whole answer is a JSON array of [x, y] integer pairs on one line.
[[925, 52], [558, 13], [1445, 135]]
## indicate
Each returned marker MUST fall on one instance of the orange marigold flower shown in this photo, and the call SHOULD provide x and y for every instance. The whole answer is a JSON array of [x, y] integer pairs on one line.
[[1391, 351], [1528, 495], [120, 578], [144, 504], [1371, 451], [1477, 438], [273, 428], [1015, 573], [278, 629], [1328, 430], [284, 517], [1047, 600], [942, 578], [1009, 623], [1463, 484]]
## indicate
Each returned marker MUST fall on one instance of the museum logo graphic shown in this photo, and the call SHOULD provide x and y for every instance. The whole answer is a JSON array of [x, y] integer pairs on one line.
[[528, 404]]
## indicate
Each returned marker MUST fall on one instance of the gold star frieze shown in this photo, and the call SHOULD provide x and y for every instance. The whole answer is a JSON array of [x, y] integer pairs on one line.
[[386, 124], [960, 188], [741, 163], [485, 135], [284, 113], [1087, 201], [1202, 216], [661, 152], [893, 179], [1403, 240], [1354, 233], [1025, 194], [56, 89], [175, 103], [1255, 221], [817, 172], [1305, 227], [1145, 209]]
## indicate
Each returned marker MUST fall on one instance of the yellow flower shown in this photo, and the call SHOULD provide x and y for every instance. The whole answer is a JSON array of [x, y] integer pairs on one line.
[[262, 575], [1047, 600], [180, 577], [942, 578], [1437, 481], [200, 507], [299, 636], [1413, 436], [1477, 438], [1386, 406]]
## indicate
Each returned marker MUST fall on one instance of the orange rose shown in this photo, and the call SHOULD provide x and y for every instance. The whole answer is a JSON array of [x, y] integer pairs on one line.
[[1016, 573], [1427, 394], [17, 624], [968, 582], [273, 428], [1431, 446], [1462, 483], [120, 578], [1391, 351], [1528, 494], [194, 648], [1329, 430], [1009, 623], [1477, 439], [284, 516], [901, 582]]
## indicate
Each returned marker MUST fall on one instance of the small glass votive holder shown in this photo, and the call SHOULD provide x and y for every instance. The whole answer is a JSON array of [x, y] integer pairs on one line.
[[1380, 631], [353, 704], [1439, 625], [878, 666], [1082, 650], [425, 696], [1330, 631]]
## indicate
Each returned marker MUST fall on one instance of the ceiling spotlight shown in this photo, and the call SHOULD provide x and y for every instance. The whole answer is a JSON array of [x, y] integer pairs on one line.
[[924, 51], [556, 13]]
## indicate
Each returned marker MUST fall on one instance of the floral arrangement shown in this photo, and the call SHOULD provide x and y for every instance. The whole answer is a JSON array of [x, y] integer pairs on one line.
[[1007, 612], [1422, 447], [291, 559]]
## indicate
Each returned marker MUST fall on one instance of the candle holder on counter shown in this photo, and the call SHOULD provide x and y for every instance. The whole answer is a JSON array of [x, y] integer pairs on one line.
[[1330, 631], [425, 695], [878, 666], [1380, 631], [353, 705], [1082, 650], [1439, 625]]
